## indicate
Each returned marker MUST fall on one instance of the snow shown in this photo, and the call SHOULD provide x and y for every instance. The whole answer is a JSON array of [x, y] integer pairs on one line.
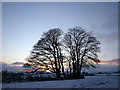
[[88, 82], [110, 74]]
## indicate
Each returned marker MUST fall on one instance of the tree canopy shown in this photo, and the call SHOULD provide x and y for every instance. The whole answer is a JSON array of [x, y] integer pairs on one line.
[[77, 48]]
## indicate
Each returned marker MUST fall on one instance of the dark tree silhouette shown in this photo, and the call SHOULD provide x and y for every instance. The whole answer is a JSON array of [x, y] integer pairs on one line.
[[47, 54], [80, 52], [82, 48]]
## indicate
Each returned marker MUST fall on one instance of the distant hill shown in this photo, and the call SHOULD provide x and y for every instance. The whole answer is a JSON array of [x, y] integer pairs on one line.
[[106, 66], [11, 68]]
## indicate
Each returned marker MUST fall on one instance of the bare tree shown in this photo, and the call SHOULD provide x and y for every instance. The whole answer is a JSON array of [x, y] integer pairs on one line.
[[80, 51], [46, 53], [82, 48]]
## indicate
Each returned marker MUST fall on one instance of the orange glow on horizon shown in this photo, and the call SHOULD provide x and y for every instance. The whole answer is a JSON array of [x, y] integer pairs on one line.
[[17, 65], [109, 62]]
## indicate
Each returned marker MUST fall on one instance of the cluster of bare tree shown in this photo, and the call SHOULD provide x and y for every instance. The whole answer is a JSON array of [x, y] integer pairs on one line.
[[74, 51]]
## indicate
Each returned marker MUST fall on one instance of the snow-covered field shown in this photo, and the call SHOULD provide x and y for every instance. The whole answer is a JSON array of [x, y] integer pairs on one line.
[[88, 82]]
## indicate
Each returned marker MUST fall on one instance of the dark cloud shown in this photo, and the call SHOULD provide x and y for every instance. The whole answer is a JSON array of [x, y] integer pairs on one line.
[[17, 63], [117, 60], [110, 66], [111, 23], [11, 68], [107, 68], [108, 29]]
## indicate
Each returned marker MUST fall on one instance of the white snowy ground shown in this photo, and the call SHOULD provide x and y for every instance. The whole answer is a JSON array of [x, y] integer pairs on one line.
[[88, 82]]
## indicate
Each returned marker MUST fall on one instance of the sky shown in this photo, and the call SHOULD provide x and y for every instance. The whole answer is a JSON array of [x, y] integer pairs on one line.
[[23, 23]]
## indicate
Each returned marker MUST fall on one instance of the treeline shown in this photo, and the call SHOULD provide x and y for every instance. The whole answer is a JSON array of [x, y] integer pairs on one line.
[[8, 77], [69, 52]]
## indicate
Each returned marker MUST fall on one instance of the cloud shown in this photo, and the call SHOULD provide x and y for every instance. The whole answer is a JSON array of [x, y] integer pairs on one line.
[[17, 63], [111, 23], [106, 66], [114, 62], [11, 68], [108, 29]]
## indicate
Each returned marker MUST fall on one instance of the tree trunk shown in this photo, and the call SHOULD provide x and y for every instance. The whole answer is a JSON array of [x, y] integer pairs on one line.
[[70, 67], [82, 62], [58, 57], [74, 72], [63, 68], [78, 74], [67, 74], [61, 59], [57, 72]]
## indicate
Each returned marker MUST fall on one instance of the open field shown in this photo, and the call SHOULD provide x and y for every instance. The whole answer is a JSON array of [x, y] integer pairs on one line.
[[88, 82]]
